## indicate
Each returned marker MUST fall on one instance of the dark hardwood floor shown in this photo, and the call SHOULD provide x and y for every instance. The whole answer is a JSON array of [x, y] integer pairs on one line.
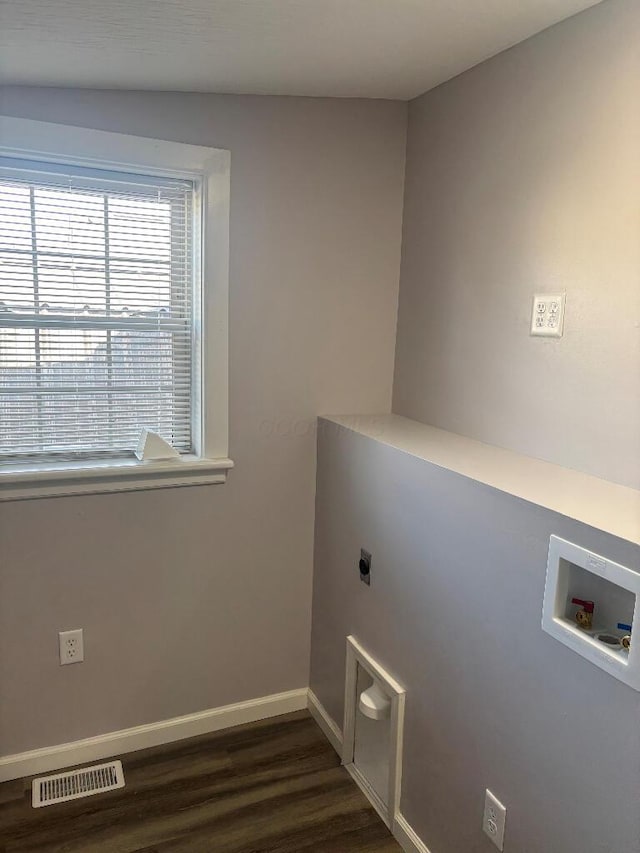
[[271, 786]]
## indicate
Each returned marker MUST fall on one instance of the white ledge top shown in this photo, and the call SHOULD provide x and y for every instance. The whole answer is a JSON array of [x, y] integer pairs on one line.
[[603, 505]]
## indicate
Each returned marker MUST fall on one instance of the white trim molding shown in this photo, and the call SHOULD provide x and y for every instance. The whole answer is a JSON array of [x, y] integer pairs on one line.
[[116, 476], [358, 656], [402, 831], [367, 789], [407, 837], [153, 734], [329, 727], [209, 169]]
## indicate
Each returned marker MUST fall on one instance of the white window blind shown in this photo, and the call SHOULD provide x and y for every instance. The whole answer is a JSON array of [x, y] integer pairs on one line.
[[96, 311]]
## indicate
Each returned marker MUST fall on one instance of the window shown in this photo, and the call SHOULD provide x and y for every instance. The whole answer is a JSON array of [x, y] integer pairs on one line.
[[96, 312], [103, 316]]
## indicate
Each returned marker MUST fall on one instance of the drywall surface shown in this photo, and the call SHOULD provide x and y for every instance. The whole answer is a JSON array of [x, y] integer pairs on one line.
[[194, 598], [454, 613], [523, 176]]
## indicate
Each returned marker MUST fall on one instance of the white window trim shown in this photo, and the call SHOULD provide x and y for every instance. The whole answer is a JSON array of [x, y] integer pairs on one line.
[[210, 169]]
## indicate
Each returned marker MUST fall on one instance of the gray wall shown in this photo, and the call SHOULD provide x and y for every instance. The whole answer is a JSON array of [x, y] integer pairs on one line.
[[454, 612], [196, 597], [523, 175]]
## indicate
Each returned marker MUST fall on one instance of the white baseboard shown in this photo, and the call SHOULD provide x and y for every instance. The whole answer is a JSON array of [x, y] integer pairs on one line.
[[407, 837], [329, 727], [52, 758], [154, 734], [370, 794]]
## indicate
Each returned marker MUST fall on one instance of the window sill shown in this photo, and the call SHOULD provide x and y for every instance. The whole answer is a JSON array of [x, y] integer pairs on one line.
[[90, 478]]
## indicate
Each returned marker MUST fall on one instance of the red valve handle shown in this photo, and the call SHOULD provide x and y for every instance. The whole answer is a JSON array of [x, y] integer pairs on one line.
[[587, 606]]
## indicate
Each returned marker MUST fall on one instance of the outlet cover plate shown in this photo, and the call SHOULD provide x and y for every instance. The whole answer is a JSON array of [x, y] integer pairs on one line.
[[494, 819], [71, 645], [547, 315]]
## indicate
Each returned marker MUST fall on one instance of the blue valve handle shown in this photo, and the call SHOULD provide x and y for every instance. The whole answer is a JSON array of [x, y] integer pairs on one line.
[[623, 627]]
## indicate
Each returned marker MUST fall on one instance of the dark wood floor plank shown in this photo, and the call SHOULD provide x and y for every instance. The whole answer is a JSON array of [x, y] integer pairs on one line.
[[295, 827], [270, 787]]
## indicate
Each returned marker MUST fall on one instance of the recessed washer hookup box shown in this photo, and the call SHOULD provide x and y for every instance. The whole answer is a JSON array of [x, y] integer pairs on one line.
[[590, 605]]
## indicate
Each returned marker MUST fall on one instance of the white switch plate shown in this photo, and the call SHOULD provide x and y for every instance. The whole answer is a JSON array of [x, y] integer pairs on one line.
[[547, 314], [494, 819], [71, 646]]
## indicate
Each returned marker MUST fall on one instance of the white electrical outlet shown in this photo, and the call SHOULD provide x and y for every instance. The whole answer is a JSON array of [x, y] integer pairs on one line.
[[493, 822], [71, 646], [547, 315]]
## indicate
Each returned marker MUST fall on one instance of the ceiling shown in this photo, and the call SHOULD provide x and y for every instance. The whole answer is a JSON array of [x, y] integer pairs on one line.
[[343, 48]]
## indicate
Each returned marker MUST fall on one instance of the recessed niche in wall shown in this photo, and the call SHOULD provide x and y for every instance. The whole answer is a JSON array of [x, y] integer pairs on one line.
[[373, 726], [590, 606]]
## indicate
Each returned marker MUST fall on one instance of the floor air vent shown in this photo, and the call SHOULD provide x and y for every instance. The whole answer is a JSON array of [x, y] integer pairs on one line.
[[48, 790]]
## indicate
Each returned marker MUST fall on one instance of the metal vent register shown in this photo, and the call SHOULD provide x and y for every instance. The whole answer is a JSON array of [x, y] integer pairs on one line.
[[61, 787]]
